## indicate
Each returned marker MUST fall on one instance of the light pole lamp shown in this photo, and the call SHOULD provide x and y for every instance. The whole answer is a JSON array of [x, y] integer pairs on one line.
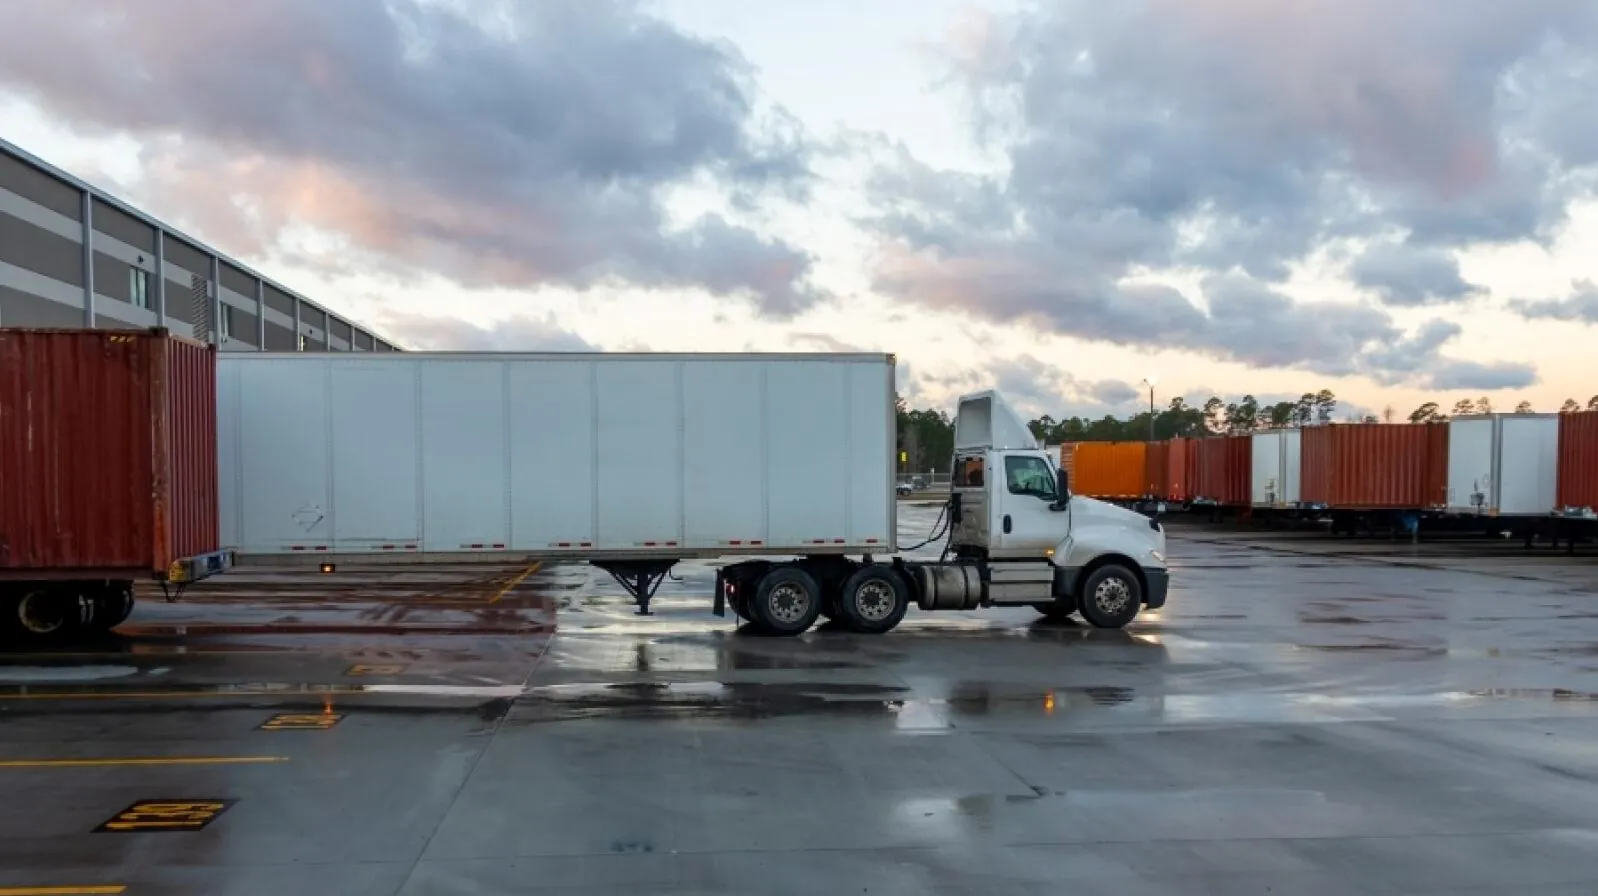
[[1150, 381]]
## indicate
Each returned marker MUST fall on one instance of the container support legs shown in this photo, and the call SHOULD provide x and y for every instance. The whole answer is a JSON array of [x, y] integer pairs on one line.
[[639, 578]]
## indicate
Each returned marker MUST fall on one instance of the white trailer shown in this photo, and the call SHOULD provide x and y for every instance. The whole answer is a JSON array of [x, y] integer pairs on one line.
[[1275, 479], [1503, 464], [633, 462]]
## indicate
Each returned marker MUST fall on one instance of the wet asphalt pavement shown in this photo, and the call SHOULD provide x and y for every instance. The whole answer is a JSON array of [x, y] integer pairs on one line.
[[1305, 716]]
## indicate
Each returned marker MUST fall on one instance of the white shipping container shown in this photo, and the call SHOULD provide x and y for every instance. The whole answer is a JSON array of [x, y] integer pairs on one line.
[[581, 455], [1503, 464], [1275, 479]]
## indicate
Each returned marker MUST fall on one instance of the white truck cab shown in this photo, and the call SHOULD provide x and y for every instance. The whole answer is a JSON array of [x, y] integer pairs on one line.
[[1017, 537], [1030, 541]]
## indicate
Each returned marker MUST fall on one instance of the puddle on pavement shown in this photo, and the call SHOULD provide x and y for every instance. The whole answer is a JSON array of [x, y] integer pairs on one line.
[[739, 700], [920, 713]]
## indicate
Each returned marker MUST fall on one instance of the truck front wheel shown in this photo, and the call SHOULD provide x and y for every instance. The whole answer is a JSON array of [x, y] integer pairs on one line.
[[874, 600], [787, 601], [1111, 596]]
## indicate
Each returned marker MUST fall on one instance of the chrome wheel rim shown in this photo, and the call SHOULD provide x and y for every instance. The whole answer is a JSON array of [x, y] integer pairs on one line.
[[875, 601], [1112, 596], [788, 603]]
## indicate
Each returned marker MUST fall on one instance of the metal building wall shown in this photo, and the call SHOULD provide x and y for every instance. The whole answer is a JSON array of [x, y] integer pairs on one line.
[[73, 256]]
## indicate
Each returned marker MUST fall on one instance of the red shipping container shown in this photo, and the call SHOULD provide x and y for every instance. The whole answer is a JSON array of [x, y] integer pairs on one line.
[[1221, 469], [1578, 460], [1169, 469], [1375, 466], [108, 462]]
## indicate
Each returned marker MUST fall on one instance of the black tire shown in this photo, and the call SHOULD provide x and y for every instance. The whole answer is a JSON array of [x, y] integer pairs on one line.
[[787, 601], [874, 600], [41, 614], [113, 604], [1111, 596]]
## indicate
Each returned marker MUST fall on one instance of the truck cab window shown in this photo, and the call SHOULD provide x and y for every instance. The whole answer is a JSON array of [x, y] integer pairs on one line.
[[1029, 476]]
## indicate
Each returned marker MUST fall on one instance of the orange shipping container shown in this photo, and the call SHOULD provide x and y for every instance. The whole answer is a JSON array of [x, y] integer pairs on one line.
[[107, 453], [1221, 469], [1578, 460], [1109, 469], [1375, 466]]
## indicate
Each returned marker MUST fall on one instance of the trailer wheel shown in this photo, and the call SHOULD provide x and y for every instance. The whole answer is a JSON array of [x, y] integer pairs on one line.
[[113, 604], [1111, 596], [874, 600], [787, 601], [40, 613]]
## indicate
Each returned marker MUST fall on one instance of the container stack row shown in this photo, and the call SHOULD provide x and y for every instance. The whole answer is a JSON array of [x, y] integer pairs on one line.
[[1487, 465]]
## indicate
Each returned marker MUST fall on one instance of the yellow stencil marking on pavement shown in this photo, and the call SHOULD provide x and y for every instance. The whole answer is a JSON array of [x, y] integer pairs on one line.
[[288, 721], [165, 815]]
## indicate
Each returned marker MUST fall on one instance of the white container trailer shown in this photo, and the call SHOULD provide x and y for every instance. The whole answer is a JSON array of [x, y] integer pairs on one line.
[[577, 455], [1503, 464], [1274, 481], [633, 462]]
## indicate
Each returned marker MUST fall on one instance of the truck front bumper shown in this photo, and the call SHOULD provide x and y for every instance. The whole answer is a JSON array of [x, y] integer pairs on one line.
[[1159, 582]]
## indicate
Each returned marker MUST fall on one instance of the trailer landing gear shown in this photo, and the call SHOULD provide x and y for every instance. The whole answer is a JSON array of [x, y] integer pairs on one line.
[[639, 578]]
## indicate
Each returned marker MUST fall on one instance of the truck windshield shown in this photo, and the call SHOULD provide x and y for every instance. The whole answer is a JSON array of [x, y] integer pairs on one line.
[[1029, 476]]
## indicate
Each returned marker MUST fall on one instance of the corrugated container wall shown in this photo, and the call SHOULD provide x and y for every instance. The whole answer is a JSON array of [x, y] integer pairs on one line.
[[1221, 470], [1375, 466], [107, 451], [1109, 469], [1169, 469], [1578, 461]]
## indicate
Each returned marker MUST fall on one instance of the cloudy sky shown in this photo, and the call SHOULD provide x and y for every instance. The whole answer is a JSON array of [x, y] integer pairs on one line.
[[1394, 199]]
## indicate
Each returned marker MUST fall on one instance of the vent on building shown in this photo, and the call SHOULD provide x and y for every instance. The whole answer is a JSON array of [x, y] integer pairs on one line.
[[200, 306]]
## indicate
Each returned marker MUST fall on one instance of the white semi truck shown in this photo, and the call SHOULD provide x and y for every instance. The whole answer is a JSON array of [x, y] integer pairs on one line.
[[634, 462]]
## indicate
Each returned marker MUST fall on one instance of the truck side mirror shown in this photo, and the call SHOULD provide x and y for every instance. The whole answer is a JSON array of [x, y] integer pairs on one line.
[[1062, 489]]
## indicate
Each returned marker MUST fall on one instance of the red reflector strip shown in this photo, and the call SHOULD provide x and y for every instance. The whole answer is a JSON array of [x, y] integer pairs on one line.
[[297, 547], [657, 544], [321, 547], [566, 544], [837, 541], [389, 547], [871, 541]]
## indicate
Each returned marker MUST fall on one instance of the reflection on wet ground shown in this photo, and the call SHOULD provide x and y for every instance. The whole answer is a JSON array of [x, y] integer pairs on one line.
[[1296, 720]]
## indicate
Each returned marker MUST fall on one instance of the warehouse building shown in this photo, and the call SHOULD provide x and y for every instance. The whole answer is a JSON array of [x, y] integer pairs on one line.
[[72, 256]]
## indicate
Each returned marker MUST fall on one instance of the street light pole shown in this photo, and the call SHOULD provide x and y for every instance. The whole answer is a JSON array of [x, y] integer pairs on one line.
[[1150, 381]]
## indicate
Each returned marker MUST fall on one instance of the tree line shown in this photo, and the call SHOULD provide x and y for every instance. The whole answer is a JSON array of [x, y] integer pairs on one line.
[[926, 437], [1432, 412]]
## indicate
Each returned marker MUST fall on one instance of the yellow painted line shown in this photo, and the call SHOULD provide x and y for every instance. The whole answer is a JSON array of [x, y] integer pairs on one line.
[[168, 695], [516, 581], [141, 760], [105, 890]]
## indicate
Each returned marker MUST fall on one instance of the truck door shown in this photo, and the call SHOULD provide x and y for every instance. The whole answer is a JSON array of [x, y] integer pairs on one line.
[[1024, 526]]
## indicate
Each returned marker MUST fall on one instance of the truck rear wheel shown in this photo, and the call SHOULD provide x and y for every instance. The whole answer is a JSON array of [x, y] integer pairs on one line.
[[787, 601], [874, 600], [40, 613], [113, 604], [1111, 596]]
